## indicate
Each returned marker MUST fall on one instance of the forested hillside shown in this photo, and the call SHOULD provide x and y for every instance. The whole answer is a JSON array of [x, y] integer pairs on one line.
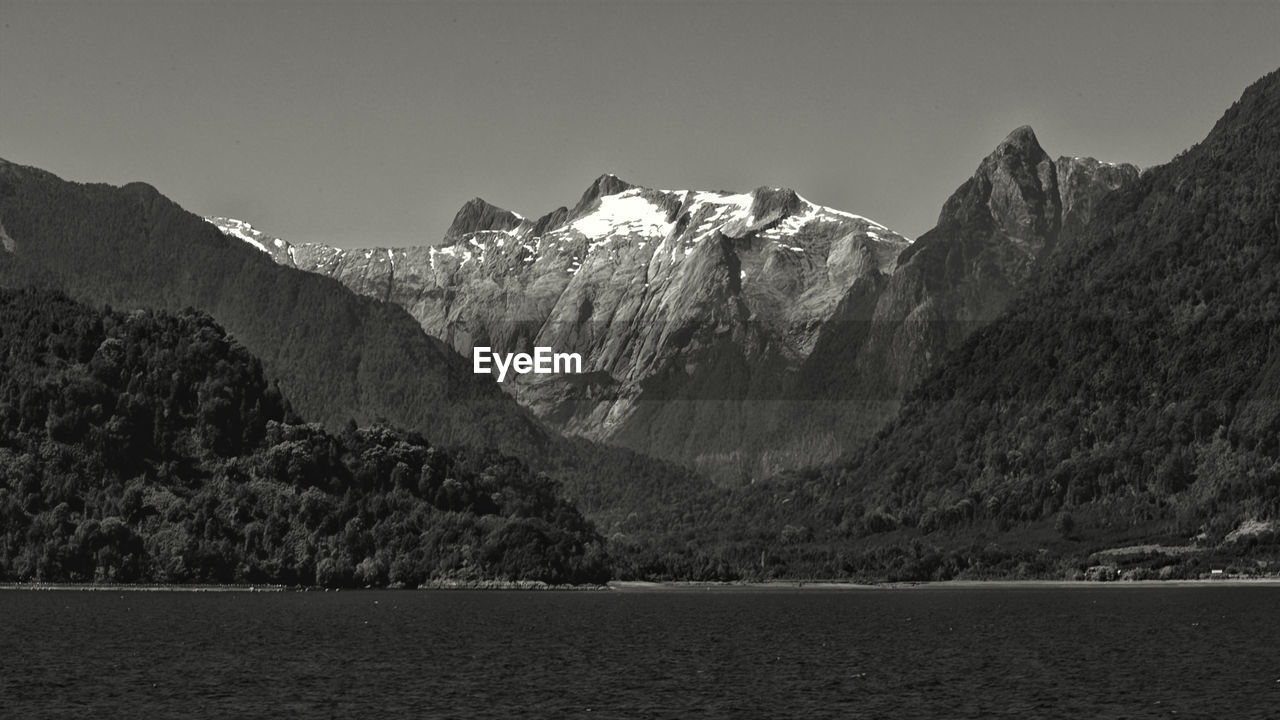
[[149, 447], [1133, 390], [338, 356]]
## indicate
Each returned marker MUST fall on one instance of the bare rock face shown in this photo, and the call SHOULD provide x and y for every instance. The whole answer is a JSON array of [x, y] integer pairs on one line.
[[1020, 185], [479, 216], [1085, 181], [963, 272]]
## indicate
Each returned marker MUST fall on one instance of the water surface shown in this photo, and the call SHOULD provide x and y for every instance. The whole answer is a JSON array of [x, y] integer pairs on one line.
[[1140, 652]]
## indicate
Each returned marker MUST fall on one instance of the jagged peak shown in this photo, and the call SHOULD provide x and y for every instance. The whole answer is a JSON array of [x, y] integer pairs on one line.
[[478, 215], [1022, 135], [1015, 188], [607, 184], [609, 180], [1021, 144]]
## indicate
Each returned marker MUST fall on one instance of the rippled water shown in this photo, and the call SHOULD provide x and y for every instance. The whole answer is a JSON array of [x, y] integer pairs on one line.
[[1138, 652]]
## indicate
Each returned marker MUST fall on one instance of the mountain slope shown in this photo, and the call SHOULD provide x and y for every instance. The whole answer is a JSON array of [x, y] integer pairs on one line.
[[337, 356], [149, 447], [1135, 385], [954, 279]]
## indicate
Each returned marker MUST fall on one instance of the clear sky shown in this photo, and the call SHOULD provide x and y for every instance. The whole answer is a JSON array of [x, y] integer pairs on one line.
[[361, 123]]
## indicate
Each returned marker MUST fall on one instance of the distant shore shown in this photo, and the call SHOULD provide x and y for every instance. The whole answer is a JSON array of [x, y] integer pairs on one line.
[[144, 587], [641, 586], [505, 585], [638, 586]]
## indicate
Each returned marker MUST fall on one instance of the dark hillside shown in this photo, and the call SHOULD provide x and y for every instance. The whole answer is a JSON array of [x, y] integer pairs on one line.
[[149, 447], [1135, 384], [337, 356]]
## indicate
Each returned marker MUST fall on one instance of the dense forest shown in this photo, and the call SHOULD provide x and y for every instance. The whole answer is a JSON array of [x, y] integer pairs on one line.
[[148, 447]]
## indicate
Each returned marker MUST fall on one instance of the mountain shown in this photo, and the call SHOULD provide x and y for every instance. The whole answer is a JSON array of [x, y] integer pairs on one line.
[[1120, 419], [1131, 392], [957, 277], [337, 356], [740, 333], [688, 307], [150, 447], [279, 250]]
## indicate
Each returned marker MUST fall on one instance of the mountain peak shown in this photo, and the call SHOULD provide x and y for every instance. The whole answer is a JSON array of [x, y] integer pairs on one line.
[[1021, 143], [607, 184], [478, 215], [1014, 189], [1022, 134]]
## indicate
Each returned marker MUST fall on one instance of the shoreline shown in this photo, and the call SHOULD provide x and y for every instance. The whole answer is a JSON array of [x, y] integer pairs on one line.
[[144, 587], [641, 586]]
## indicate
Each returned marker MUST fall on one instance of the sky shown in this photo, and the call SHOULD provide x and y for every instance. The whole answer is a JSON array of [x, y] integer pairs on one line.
[[363, 123]]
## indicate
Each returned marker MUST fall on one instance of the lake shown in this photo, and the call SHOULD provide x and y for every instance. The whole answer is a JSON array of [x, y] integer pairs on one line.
[[1086, 652]]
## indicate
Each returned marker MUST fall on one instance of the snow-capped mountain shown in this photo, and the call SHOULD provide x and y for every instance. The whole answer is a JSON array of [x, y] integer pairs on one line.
[[669, 296], [697, 314]]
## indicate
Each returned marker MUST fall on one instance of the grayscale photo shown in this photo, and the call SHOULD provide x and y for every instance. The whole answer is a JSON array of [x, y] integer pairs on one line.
[[639, 359]]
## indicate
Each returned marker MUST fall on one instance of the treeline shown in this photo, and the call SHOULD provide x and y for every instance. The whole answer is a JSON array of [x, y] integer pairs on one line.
[[148, 447]]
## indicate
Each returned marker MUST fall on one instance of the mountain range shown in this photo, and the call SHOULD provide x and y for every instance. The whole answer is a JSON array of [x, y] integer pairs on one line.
[[740, 333], [1074, 369], [338, 357]]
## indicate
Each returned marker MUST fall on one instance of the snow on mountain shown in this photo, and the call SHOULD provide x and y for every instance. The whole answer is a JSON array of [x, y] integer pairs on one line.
[[279, 250], [646, 284]]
